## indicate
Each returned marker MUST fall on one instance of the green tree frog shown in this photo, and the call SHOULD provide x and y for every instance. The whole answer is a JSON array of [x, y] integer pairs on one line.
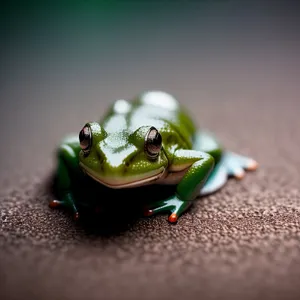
[[150, 140]]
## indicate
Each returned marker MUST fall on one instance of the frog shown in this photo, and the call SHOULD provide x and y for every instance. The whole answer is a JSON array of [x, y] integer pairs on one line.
[[149, 140]]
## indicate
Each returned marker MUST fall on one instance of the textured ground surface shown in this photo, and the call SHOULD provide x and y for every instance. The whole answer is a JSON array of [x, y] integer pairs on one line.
[[241, 80]]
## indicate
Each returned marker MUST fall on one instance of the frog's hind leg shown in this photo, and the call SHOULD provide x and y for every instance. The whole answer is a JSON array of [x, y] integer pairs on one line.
[[227, 163], [216, 180], [172, 205]]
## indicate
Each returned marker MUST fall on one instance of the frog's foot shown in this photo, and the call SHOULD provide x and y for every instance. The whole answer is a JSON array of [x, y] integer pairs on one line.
[[65, 203], [237, 164], [173, 205], [231, 164]]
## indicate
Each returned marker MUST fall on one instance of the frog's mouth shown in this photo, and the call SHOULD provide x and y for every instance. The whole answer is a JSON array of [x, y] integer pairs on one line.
[[117, 182]]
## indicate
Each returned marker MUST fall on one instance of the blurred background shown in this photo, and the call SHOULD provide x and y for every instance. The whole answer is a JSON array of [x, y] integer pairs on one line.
[[235, 65], [64, 62]]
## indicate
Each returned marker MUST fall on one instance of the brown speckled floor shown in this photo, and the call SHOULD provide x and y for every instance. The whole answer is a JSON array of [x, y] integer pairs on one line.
[[240, 243]]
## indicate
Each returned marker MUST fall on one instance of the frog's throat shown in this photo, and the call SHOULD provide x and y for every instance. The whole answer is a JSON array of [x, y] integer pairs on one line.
[[116, 182]]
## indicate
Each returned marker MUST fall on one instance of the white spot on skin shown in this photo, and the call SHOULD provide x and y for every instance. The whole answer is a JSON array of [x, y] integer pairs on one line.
[[110, 124], [122, 107], [117, 159], [160, 99]]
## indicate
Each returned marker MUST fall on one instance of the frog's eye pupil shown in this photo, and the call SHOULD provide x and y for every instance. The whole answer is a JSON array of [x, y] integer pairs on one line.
[[85, 139], [153, 143]]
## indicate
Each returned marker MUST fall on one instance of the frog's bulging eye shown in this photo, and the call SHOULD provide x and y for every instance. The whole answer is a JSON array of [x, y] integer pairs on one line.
[[85, 139], [153, 143]]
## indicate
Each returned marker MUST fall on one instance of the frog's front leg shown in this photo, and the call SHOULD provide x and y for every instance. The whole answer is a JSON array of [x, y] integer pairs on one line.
[[197, 166], [67, 166]]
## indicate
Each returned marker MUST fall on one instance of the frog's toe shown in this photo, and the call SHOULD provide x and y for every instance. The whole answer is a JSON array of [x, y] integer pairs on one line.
[[172, 205], [66, 203], [148, 212], [252, 165], [178, 210], [173, 218], [237, 164], [239, 174], [55, 203], [158, 207], [76, 216], [235, 170]]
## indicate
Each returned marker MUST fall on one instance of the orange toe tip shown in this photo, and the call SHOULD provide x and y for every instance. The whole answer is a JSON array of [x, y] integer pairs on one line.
[[148, 212], [173, 218], [252, 166], [53, 204], [239, 175], [76, 216]]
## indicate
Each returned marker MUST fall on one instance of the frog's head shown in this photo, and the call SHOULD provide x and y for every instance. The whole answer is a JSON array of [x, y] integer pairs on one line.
[[122, 159]]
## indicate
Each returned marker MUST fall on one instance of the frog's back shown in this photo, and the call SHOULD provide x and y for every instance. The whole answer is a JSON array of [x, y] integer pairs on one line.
[[162, 104], [155, 108]]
